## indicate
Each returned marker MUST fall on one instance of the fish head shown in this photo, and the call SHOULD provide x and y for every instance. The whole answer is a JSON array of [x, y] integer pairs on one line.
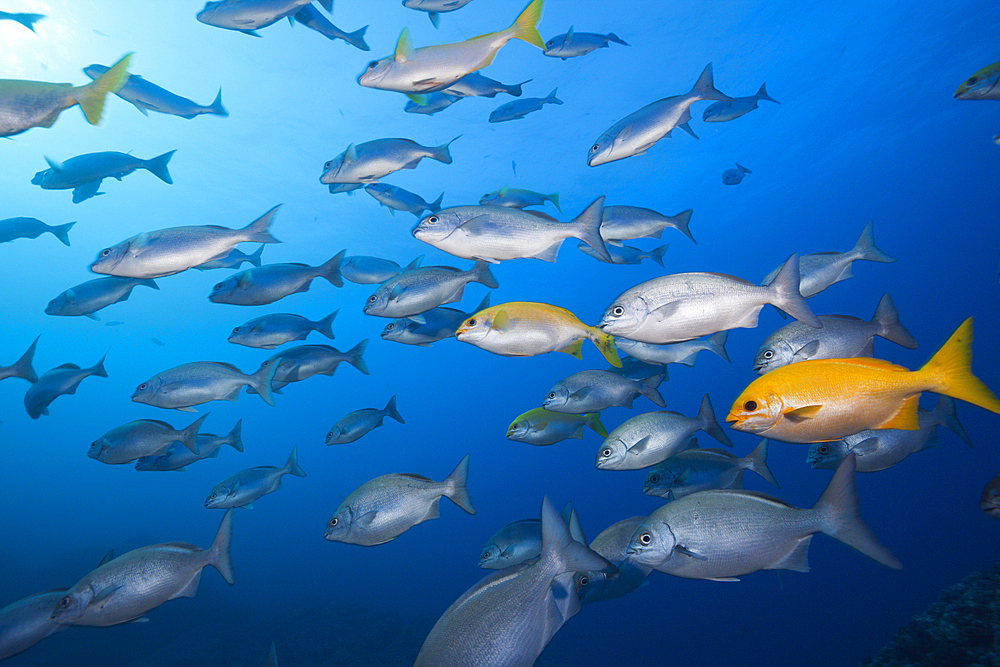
[[475, 328], [376, 72], [553, 47], [652, 543], [109, 258], [217, 497], [625, 315], [225, 288], [558, 397], [438, 226], [207, 14], [57, 305], [40, 177], [983, 85], [72, 606], [772, 354], [490, 198], [490, 559], [990, 502], [589, 586], [714, 111], [658, 481], [146, 463], [379, 301], [239, 334], [339, 525], [602, 150], [331, 169], [380, 191], [98, 447], [611, 454], [333, 437], [394, 330], [519, 430], [826, 455], [148, 390], [756, 410]]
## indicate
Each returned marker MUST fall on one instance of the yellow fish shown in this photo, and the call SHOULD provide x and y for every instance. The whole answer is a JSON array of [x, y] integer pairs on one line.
[[432, 68], [827, 399], [28, 104], [524, 329]]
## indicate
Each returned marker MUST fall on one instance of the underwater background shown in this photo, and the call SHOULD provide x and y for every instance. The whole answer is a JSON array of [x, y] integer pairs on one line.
[[867, 130]]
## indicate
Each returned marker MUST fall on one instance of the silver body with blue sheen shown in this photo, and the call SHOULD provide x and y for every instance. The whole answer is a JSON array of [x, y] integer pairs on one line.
[[370, 161], [266, 284], [397, 199], [573, 44], [89, 297], [593, 391], [246, 486], [438, 323], [142, 437], [356, 424], [177, 457], [54, 383], [249, 15], [269, 331], [28, 621], [148, 97], [199, 382], [368, 270], [303, 361], [418, 290]]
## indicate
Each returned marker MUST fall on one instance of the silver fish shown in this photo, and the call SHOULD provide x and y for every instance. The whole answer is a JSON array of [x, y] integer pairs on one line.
[[988, 503], [354, 425], [246, 486], [694, 470], [652, 437], [143, 437], [89, 297], [384, 508], [270, 331], [475, 84], [199, 382], [369, 270], [675, 353], [233, 260], [735, 176], [738, 106], [125, 588], [178, 457], [572, 44], [28, 621], [435, 8], [84, 173], [518, 109], [622, 223], [722, 534], [624, 254], [418, 290], [398, 199], [303, 361], [518, 198], [884, 448], [429, 104], [438, 323], [148, 97], [266, 284], [820, 270], [349, 188], [593, 391], [168, 251], [57, 382], [684, 306], [841, 337], [32, 228], [372, 160], [497, 233], [637, 132], [22, 368], [612, 544], [247, 16], [522, 540], [507, 618], [311, 17]]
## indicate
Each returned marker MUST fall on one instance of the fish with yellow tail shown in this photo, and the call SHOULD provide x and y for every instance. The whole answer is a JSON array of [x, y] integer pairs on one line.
[[433, 68], [827, 399], [524, 329]]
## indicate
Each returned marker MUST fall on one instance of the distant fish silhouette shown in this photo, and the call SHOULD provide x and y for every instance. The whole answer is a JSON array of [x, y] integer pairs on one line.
[[113, 323]]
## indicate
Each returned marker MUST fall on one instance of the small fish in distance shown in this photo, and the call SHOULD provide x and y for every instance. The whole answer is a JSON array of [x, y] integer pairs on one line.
[[520, 108], [735, 176], [57, 382], [31, 228], [146, 97], [246, 486], [87, 298], [84, 174], [573, 44], [372, 160], [739, 106]]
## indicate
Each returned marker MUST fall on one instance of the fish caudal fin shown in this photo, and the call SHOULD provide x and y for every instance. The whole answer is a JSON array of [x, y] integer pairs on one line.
[[158, 166], [61, 232], [559, 547], [762, 94], [391, 411], [524, 27], [554, 198], [681, 222], [91, 97], [710, 424], [255, 257], [612, 37], [325, 325], [865, 247], [216, 105], [606, 344], [258, 231], [743, 169], [587, 228], [27, 20], [292, 464], [716, 344], [704, 88], [98, 368], [839, 516], [949, 371], [483, 275], [648, 388], [944, 414], [219, 551], [887, 319], [594, 422], [235, 437], [657, 253], [22, 368], [331, 269], [354, 357], [552, 99], [435, 205], [442, 153], [786, 296], [757, 461], [456, 490], [261, 382], [357, 39], [189, 436]]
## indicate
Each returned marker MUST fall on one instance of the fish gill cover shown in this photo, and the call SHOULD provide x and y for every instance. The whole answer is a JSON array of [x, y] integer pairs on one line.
[[868, 130]]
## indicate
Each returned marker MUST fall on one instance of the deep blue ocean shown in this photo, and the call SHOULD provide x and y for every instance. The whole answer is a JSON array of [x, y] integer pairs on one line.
[[867, 130]]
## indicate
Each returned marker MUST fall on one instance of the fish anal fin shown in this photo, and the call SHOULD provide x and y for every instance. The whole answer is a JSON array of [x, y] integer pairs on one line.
[[797, 559], [574, 349], [906, 418]]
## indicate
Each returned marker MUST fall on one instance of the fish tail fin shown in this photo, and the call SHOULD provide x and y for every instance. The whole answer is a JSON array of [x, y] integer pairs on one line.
[[327, 5], [331, 269], [484, 276], [28, 20], [757, 461], [594, 422], [945, 415], [949, 371], [682, 221], [762, 94], [189, 436], [456, 490], [648, 387], [149, 282], [786, 295], [292, 464], [657, 254], [354, 357], [391, 411], [865, 247], [710, 424], [515, 90], [216, 105], [552, 99], [742, 168], [235, 437], [442, 153], [61, 232], [357, 39], [98, 368], [554, 198], [587, 228], [704, 88], [219, 551], [325, 325], [258, 231], [559, 546], [840, 518], [716, 343], [606, 344], [523, 27], [435, 205], [22, 368], [255, 257], [616, 39], [158, 166], [91, 97], [272, 657], [887, 319], [261, 382]]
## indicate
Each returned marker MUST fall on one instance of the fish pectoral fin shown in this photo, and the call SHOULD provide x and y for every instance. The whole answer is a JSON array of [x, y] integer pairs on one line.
[[665, 311], [906, 418], [803, 413], [426, 84], [104, 595], [501, 321], [396, 291], [687, 552], [479, 225], [538, 427], [366, 519], [573, 348], [682, 478], [866, 446], [807, 351], [725, 579], [582, 392], [640, 446], [419, 319], [249, 506], [187, 409]]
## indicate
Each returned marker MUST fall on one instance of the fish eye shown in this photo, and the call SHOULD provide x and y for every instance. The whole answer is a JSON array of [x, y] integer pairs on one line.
[[617, 311], [750, 405], [266, 364], [584, 580], [237, 329], [390, 326], [63, 603], [471, 322], [823, 449], [552, 394], [645, 539], [654, 479], [595, 147], [333, 522], [105, 252], [433, 219], [606, 451], [768, 354], [373, 64], [141, 387], [372, 299], [972, 81], [219, 285], [328, 164], [212, 497]]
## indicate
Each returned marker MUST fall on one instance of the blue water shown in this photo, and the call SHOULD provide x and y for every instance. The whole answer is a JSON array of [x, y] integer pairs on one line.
[[867, 129]]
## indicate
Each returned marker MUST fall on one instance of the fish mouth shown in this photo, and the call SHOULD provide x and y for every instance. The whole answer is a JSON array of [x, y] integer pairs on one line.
[[758, 368]]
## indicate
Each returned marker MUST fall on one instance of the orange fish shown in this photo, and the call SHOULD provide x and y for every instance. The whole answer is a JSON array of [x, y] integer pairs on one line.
[[826, 399]]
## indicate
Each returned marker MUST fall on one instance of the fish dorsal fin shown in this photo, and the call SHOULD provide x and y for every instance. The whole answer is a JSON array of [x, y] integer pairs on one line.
[[879, 364], [410, 475], [404, 46], [108, 557], [728, 277], [803, 413], [501, 321], [67, 366], [158, 423], [569, 35], [56, 165]]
